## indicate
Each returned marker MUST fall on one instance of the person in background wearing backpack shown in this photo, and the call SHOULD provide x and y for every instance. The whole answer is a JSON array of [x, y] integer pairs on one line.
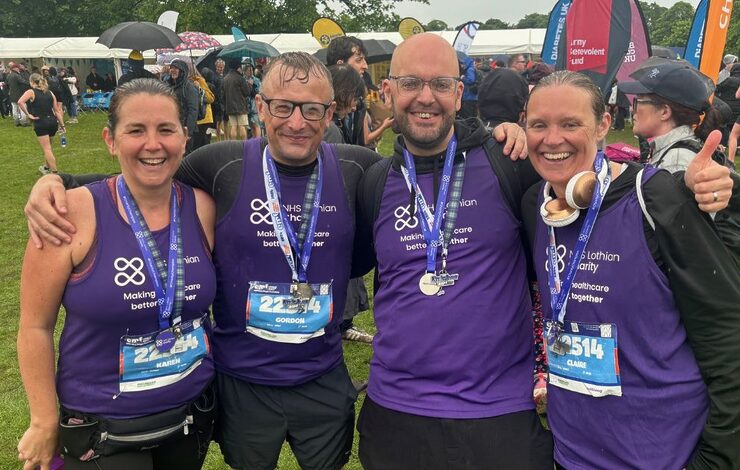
[[187, 94], [471, 78], [206, 97], [670, 99]]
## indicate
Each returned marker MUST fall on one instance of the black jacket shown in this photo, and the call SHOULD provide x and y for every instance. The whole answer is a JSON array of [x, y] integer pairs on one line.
[[188, 96], [235, 93]]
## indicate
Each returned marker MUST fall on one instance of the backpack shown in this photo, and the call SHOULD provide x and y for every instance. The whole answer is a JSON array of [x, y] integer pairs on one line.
[[476, 84], [202, 103], [718, 155]]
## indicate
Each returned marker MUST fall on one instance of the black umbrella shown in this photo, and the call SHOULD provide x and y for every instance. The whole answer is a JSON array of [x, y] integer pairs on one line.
[[209, 59], [248, 48], [139, 35], [665, 52], [378, 50]]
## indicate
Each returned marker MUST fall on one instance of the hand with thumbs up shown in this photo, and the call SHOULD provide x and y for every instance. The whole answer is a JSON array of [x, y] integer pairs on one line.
[[709, 181]]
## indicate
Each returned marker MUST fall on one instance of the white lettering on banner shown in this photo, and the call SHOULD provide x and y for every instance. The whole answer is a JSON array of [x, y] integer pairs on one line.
[[631, 55], [724, 18], [261, 214]]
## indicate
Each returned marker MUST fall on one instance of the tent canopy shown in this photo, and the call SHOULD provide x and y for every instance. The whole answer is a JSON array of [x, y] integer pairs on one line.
[[486, 43]]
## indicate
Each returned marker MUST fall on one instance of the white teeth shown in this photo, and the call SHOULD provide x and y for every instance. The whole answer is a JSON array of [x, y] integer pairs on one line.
[[556, 156], [424, 115], [152, 161]]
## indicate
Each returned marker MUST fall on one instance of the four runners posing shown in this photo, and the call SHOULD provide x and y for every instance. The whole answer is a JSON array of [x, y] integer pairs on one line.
[[457, 394]]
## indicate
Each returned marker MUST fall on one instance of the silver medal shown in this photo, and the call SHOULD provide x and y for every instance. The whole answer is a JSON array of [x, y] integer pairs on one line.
[[427, 284], [302, 291], [445, 279]]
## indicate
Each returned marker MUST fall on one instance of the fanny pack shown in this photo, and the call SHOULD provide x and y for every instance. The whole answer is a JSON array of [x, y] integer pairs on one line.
[[86, 436]]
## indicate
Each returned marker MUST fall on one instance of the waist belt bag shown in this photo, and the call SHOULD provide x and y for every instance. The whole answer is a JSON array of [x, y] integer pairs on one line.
[[85, 436]]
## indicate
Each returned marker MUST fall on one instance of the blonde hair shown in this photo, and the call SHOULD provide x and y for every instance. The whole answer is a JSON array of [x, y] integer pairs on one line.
[[39, 81]]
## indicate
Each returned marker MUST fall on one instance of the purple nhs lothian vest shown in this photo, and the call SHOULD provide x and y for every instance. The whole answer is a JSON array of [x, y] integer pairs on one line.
[[467, 353], [657, 421], [247, 250], [114, 297]]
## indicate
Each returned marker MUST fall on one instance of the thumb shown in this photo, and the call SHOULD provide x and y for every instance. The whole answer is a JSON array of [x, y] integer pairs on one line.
[[704, 157]]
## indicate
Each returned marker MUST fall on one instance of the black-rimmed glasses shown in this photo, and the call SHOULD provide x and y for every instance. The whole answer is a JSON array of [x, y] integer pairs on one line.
[[409, 85], [310, 111]]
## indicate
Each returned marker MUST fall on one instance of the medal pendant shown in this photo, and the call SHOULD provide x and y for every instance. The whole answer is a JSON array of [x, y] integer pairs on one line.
[[427, 285], [165, 341], [445, 279], [302, 291]]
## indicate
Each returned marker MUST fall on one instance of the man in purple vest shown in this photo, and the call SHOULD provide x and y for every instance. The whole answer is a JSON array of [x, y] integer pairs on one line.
[[458, 392]]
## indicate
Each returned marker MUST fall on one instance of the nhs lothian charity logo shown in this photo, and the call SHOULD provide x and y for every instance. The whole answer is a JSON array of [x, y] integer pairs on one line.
[[561, 251], [261, 214], [130, 271], [404, 219]]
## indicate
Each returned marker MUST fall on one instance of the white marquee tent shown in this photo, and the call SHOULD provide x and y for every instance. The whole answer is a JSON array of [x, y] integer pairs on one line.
[[486, 43]]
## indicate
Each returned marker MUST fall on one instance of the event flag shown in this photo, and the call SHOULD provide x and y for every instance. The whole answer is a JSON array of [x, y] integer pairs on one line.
[[639, 47], [696, 34], [596, 39], [465, 36], [555, 24], [409, 26], [325, 29], [168, 19], [238, 34], [712, 43]]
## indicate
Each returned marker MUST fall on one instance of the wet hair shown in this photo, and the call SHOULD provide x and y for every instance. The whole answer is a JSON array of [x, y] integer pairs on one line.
[[348, 84], [576, 80], [149, 86], [297, 66], [683, 116], [39, 81], [342, 48]]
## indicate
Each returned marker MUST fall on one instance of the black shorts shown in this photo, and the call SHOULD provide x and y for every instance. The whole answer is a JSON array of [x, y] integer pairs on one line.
[[46, 126], [316, 418], [391, 440]]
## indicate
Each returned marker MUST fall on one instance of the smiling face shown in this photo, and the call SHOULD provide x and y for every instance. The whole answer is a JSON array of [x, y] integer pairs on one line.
[[294, 140], [425, 118], [149, 146], [562, 133]]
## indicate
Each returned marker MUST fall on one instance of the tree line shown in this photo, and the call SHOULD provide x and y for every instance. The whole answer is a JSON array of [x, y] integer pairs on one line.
[[45, 18]]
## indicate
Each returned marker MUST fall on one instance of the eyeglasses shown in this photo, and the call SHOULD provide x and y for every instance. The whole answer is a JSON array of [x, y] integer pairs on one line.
[[284, 109], [636, 101], [408, 85]]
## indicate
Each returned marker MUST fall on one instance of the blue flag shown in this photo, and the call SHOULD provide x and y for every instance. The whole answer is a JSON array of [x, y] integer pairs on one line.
[[238, 34], [696, 35], [555, 27]]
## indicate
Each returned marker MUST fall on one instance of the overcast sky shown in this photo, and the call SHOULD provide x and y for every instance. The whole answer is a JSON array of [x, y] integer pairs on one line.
[[456, 12]]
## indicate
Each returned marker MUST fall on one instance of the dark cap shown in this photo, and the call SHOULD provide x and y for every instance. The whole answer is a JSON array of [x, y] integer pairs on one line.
[[502, 95], [673, 80]]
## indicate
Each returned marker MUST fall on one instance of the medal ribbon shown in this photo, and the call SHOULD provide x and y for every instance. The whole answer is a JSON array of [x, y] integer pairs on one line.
[[431, 224], [293, 246], [559, 291], [172, 274]]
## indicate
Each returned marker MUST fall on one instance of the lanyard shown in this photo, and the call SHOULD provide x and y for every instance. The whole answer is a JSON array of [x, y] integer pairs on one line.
[[293, 246], [169, 298], [559, 291], [431, 224]]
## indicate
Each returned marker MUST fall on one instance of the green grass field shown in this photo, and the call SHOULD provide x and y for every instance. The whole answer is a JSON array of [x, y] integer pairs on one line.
[[20, 157]]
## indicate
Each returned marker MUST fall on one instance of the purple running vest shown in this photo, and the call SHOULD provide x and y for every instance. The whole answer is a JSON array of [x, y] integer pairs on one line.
[[247, 250], [657, 421], [113, 298], [467, 353]]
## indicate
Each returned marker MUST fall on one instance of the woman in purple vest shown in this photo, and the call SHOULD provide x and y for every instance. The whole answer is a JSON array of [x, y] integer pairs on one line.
[[641, 299], [135, 365]]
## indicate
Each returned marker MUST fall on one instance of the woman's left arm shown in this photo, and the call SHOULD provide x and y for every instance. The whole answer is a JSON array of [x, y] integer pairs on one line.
[[58, 111], [705, 283]]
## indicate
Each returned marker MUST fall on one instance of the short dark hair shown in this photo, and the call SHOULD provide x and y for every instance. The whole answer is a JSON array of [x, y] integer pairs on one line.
[[514, 58], [149, 86], [348, 84], [577, 80], [342, 48], [297, 66]]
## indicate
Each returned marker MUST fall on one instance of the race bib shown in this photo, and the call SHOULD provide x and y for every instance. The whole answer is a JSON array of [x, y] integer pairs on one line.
[[143, 367], [274, 312], [586, 361]]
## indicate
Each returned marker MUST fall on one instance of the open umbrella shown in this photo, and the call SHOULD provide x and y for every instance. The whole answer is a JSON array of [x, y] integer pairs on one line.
[[248, 48], [139, 35], [378, 50]]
